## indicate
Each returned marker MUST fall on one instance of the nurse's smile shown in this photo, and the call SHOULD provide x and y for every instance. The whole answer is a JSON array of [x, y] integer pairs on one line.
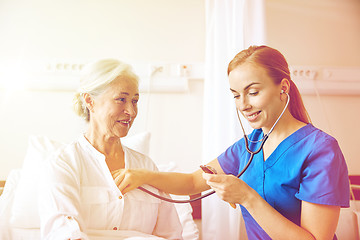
[[253, 116]]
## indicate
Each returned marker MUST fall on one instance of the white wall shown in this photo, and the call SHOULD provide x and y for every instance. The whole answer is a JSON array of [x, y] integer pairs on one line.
[[79, 31], [322, 33], [315, 33], [140, 30]]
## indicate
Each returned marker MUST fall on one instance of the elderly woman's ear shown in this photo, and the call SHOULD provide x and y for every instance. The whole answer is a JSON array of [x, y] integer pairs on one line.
[[89, 101]]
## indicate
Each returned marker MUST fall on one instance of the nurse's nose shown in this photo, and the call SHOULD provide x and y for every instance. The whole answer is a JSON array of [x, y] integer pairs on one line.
[[243, 104]]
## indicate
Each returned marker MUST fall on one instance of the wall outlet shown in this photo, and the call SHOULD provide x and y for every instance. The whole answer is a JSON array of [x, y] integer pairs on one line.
[[307, 73]]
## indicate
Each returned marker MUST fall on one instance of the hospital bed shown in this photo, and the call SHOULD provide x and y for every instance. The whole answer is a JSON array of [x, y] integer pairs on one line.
[[24, 217], [349, 220], [19, 218]]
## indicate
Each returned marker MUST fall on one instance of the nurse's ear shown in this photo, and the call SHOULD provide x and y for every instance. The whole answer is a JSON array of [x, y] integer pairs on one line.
[[89, 101], [285, 88]]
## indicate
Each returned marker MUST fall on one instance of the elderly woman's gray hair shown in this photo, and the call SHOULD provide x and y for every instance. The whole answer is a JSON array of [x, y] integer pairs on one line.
[[96, 77]]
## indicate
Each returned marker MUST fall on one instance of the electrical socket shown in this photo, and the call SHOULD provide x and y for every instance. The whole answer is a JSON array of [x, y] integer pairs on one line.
[[168, 69], [307, 73], [159, 69], [183, 70]]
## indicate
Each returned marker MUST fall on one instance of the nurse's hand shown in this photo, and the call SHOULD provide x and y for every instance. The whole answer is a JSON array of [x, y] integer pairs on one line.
[[229, 188], [129, 179]]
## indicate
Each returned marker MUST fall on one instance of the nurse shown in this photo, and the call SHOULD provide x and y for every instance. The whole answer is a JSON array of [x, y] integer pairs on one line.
[[296, 184]]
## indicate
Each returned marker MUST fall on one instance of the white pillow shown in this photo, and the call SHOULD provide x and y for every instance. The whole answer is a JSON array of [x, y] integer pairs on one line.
[[7, 197], [139, 142], [25, 206]]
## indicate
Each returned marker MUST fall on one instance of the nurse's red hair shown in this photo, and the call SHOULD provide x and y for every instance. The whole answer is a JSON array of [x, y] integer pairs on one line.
[[277, 67]]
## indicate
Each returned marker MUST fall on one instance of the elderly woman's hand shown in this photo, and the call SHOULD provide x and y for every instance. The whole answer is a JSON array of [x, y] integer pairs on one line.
[[129, 179]]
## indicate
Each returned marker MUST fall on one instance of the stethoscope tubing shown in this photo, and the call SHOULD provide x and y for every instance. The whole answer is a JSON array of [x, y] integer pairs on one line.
[[252, 154]]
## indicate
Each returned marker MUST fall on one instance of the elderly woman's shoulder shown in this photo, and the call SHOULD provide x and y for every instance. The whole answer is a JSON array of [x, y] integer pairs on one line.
[[66, 151]]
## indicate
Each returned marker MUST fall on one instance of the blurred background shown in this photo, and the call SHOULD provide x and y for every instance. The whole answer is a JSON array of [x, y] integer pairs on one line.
[[44, 44]]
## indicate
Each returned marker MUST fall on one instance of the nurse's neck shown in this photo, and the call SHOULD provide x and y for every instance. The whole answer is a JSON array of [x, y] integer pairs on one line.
[[286, 126]]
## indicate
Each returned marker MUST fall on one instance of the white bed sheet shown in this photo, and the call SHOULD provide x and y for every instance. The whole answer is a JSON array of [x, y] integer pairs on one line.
[[34, 234]]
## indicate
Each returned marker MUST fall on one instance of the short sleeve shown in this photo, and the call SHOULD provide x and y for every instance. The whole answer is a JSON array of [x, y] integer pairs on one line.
[[325, 175], [229, 160]]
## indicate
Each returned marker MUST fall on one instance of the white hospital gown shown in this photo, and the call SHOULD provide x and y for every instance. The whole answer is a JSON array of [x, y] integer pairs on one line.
[[78, 193]]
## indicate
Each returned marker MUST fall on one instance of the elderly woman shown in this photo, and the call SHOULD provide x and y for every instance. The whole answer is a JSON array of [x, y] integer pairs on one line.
[[78, 191]]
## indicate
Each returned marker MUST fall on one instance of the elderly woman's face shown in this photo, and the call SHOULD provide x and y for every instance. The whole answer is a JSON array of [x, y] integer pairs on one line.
[[115, 109]]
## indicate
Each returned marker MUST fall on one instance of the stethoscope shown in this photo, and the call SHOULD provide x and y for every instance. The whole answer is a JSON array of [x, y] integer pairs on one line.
[[252, 154]]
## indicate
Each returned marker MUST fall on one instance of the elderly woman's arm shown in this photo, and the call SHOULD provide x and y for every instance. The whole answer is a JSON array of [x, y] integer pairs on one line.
[[59, 198], [169, 182]]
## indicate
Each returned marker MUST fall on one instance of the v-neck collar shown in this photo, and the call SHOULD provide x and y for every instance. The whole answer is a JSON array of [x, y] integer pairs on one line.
[[93, 151], [285, 145], [100, 158]]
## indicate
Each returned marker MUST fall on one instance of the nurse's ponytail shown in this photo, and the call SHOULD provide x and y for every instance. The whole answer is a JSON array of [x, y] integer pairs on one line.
[[277, 67]]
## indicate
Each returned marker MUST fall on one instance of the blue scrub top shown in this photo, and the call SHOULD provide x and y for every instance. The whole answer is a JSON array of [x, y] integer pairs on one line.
[[307, 166]]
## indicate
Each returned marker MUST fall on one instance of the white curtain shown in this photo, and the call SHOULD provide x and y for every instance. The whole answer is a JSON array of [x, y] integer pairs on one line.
[[231, 26]]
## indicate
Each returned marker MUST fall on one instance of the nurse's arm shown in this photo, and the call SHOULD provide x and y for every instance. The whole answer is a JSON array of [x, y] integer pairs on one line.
[[320, 220], [169, 182], [317, 221]]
